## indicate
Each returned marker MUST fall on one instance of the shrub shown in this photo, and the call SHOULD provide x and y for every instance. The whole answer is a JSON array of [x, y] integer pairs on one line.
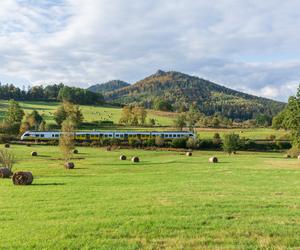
[[217, 139], [159, 141], [231, 143], [178, 143], [10, 128], [7, 159], [149, 143], [6, 138], [294, 152], [271, 137], [283, 145], [192, 143], [135, 143]]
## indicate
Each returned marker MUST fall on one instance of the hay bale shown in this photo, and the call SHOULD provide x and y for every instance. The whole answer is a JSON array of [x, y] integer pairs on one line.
[[188, 154], [28, 145], [6, 145], [123, 157], [213, 159], [288, 156], [33, 153], [135, 159], [75, 151], [69, 165], [5, 173], [22, 178], [298, 157]]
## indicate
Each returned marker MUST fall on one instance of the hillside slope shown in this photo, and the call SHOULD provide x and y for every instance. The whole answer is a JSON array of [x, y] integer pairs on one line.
[[182, 90], [108, 86]]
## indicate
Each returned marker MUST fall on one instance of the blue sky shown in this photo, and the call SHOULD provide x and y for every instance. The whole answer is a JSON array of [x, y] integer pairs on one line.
[[249, 45]]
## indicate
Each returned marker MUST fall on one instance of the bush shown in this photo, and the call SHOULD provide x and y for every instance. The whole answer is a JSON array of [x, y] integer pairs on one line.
[[231, 143], [192, 143], [6, 138], [159, 141], [149, 143], [283, 145], [178, 143], [294, 152], [10, 129], [271, 137], [135, 143], [7, 159]]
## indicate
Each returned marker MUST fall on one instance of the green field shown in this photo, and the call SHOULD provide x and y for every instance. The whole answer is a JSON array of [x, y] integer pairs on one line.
[[252, 133], [90, 113], [167, 201]]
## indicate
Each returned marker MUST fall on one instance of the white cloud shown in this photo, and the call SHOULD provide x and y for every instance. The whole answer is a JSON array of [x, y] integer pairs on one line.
[[248, 45]]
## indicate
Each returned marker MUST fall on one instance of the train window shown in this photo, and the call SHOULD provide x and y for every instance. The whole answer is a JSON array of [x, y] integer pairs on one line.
[[105, 135], [42, 135], [27, 134], [56, 135], [37, 135], [117, 136]]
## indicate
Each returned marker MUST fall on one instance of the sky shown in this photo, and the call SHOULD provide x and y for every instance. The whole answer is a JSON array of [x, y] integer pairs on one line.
[[248, 45]]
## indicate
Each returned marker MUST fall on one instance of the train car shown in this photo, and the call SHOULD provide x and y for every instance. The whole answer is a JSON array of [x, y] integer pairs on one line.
[[100, 135]]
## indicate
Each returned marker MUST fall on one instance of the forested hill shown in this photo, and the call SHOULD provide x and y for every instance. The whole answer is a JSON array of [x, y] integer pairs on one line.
[[108, 86], [179, 91]]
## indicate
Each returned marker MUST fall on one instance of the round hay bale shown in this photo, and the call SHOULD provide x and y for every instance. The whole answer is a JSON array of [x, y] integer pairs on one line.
[[22, 178], [213, 159], [298, 157], [75, 151], [123, 157], [33, 153], [288, 156], [135, 159], [188, 154], [5, 173], [69, 165], [28, 145], [6, 145]]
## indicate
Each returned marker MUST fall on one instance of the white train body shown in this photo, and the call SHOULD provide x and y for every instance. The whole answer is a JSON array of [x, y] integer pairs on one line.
[[99, 135]]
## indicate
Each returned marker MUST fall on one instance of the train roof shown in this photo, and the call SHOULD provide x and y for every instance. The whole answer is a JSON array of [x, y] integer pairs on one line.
[[106, 131]]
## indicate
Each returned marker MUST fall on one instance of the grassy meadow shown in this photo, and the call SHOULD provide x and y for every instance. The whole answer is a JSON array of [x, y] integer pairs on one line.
[[167, 201], [90, 113], [252, 133]]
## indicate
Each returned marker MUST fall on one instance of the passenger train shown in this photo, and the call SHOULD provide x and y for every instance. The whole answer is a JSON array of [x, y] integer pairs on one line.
[[100, 135]]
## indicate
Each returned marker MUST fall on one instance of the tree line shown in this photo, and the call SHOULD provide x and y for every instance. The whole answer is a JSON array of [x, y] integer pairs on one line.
[[55, 92]]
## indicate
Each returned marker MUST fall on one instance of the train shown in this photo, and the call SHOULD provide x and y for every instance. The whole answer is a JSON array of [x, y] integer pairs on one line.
[[100, 135]]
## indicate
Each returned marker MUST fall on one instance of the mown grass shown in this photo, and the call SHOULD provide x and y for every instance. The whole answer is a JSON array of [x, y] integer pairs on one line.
[[167, 201]]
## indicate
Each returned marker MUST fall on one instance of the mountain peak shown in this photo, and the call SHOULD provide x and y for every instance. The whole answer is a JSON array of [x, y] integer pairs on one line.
[[159, 73], [182, 90]]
